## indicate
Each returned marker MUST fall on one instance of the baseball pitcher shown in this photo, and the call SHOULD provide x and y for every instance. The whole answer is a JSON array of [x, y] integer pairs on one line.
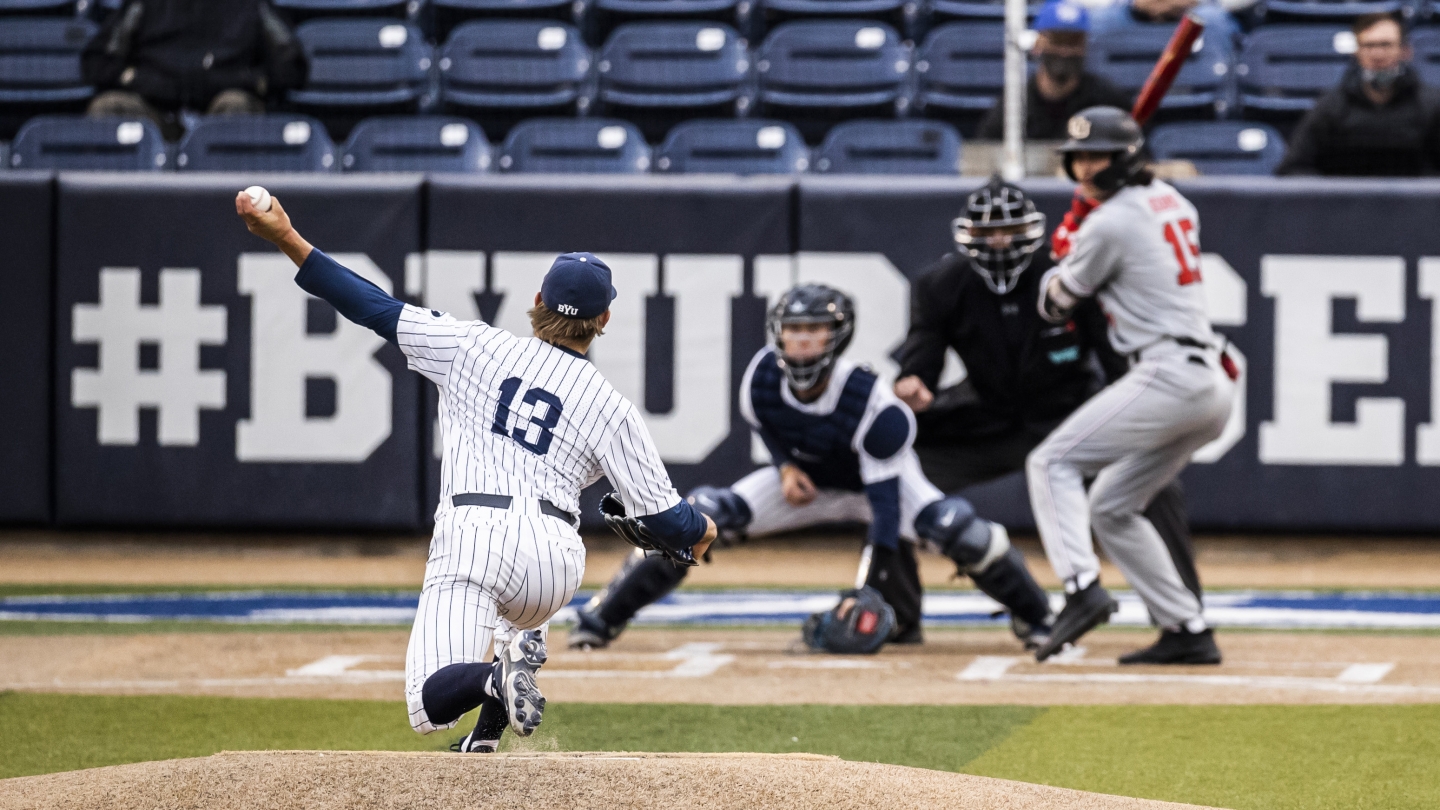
[[1131, 242], [525, 425]]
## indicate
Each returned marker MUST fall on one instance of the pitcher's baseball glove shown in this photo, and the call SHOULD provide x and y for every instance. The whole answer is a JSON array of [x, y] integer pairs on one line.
[[637, 534]]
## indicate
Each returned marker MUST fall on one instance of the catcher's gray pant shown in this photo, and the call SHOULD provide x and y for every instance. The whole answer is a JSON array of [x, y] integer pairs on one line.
[[491, 573], [1134, 437], [772, 514]]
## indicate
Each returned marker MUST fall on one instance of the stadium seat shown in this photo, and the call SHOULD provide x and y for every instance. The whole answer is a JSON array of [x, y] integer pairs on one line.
[[827, 70], [40, 61], [447, 15], [960, 70], [256, 143], [300, 10], [363, 66], [607, 14], [504, 70], [1426, 44], [575, 145], [751, 146], [1283, 68], [77, 143], [890, 147], [940, 11], [655, 73], [902, 14], [416, 144], [47, 7], [1126, 56], [1326, 10], [1220, 147]]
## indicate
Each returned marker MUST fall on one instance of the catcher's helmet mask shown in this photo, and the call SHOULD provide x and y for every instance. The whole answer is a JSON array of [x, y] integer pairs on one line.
[[811, 304], [999, 231], [1106, 130]]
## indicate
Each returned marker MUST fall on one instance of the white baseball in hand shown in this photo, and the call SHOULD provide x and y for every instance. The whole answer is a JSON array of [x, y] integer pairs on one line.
[[259, 197]]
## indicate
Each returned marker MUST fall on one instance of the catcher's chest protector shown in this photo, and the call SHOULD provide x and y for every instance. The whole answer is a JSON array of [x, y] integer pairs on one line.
[[819, 444]]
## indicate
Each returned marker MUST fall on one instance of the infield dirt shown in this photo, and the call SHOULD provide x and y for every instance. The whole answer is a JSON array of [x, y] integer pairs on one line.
[[317, 780]]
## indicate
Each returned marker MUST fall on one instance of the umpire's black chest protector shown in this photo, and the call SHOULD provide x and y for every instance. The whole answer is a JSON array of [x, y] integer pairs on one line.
[[819, 444]]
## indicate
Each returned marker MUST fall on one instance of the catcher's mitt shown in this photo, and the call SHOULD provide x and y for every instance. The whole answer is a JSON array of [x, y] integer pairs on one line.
[[637, 534], [861, 623]]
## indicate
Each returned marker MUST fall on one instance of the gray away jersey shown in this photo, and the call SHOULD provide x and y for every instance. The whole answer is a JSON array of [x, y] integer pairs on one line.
[[1139, 254], [521, 417]]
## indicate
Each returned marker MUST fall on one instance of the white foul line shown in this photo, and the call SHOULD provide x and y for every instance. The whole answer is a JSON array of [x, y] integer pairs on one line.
[[1354, 679]]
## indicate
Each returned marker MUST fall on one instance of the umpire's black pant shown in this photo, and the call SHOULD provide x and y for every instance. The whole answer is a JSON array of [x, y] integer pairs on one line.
[[954, 465]]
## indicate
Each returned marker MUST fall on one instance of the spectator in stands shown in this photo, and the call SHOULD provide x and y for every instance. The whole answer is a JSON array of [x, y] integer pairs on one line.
[[1140, 12], [153, 58], [1061, 86], [1380, 120]]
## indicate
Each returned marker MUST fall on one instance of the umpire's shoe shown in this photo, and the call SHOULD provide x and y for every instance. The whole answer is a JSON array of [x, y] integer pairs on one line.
[[1083, 610], [591, 632], [1178, 647], [519, 662]]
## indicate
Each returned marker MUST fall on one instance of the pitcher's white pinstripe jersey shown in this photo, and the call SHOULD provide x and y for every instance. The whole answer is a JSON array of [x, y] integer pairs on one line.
[[524, 418]]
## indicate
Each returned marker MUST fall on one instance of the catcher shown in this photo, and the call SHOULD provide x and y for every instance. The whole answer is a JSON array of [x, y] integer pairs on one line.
[[841, 449]]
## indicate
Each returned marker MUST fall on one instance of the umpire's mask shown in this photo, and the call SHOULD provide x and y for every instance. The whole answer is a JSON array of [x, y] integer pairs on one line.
[[999, 231]]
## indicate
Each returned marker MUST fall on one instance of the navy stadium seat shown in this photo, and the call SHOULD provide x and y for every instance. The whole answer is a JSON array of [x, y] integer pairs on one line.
[[960, 69], [448, 14], [664, 71], [1283, 68], [509, 69], [309, 9], [890, 147], [903, 14], [575, 145], [369, 65], [1220, 147], [944, 10], [77, 143], [1316, 10], [832, 69], [416, 144], [1126, 56], [256, 143], [608, 14], [1426, 44], [40, 61], [36, 7], [749, 146]]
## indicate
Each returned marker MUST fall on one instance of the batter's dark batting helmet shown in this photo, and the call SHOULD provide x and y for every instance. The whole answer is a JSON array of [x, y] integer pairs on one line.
[[999, 231], [1106, 129], [807, 304]]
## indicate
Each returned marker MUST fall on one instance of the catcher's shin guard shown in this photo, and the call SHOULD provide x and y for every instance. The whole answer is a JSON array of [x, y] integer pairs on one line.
[[982, 551], [642, 580], [896, 576], [729, 511]]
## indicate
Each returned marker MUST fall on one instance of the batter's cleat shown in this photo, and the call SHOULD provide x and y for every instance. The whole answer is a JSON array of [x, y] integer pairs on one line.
[[469, 745], [1083, 611], [1033, 636], [1178, 647], [519, 662], [591, 632]]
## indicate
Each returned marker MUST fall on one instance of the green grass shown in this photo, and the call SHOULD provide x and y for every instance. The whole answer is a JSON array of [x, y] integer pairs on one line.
[[1260, 757]]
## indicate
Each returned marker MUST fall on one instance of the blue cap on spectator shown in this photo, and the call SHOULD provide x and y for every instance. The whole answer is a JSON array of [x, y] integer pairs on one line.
[[1062, 16], [577, 286]]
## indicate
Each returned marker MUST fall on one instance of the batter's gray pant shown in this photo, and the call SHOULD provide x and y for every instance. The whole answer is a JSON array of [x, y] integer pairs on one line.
[[1134, 438]]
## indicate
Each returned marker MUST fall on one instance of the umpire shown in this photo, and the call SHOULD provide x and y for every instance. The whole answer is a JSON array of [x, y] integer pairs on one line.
[[1024, 375]]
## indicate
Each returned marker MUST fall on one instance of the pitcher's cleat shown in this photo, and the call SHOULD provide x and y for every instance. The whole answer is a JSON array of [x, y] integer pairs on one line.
[[519, 662], [1083, 611], [469, 745]]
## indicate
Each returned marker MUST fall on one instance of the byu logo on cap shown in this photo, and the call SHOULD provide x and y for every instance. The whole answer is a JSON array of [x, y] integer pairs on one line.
[[566, 309]]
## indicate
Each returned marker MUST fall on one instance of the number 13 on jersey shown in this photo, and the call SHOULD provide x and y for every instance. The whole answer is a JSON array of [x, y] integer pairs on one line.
[[1183, 239], [544, 424]]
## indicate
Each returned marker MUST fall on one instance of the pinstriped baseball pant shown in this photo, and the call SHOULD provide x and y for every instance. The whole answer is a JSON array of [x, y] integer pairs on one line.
[[491, 574], [1134, 438]]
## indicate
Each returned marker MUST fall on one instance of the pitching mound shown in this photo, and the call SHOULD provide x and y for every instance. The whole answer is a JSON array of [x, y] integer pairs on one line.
[[319, 780]]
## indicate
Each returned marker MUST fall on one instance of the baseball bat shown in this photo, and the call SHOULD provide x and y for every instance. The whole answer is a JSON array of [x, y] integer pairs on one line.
[[1167, 68]]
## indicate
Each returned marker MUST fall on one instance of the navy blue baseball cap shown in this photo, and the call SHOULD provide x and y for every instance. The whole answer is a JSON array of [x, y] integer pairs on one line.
[[577, 286]]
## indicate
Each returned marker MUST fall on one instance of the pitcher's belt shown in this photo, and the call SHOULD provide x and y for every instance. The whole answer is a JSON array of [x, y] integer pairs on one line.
[[504, 502]]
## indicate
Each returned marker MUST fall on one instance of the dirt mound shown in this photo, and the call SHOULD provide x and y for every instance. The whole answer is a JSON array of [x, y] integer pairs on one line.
[[321, 780]]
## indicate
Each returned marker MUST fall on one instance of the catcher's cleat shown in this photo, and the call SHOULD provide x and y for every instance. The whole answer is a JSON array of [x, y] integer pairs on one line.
[[1178, 647], [1083, 611], [1033, 636], [519, 662], [591, 632]]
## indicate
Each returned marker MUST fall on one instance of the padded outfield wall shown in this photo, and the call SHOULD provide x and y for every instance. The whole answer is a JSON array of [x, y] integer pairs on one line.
[[163, 370]]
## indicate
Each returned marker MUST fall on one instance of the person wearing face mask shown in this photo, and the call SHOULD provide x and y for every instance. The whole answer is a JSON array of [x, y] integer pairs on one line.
[[1059, 85], [1381, 121]]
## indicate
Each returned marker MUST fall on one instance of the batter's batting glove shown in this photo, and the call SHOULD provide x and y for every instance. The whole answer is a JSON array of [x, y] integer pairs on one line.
[[637, 534]]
